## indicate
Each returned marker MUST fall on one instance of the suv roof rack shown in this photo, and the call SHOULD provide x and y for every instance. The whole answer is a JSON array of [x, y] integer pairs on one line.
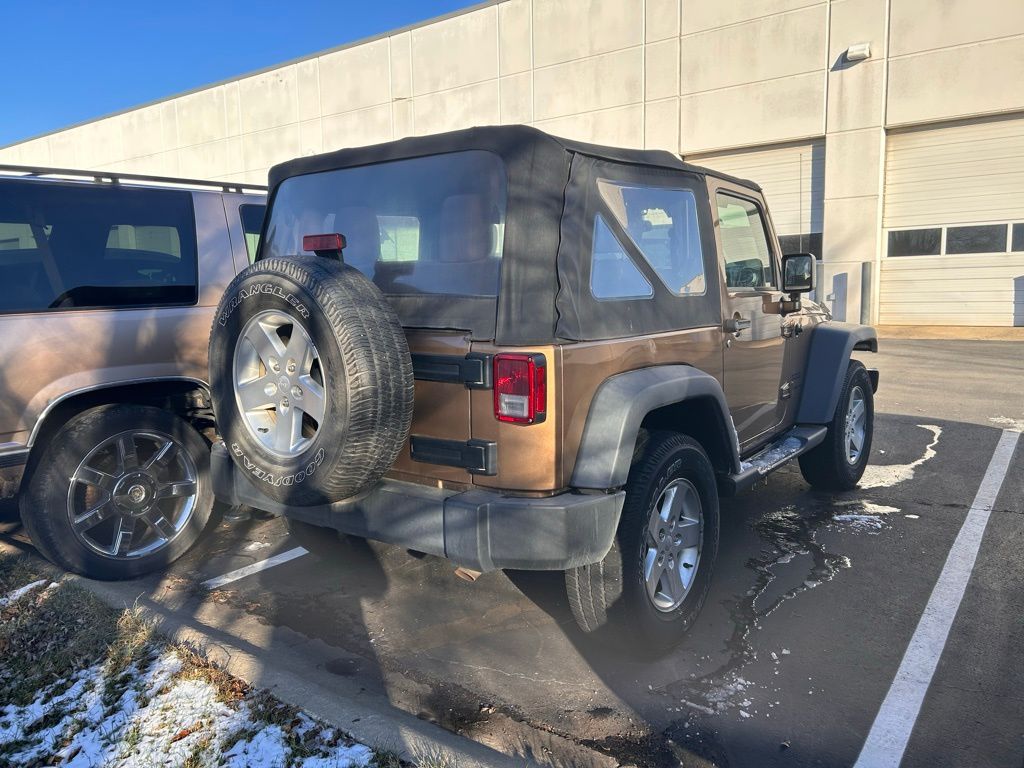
[[116, 178]]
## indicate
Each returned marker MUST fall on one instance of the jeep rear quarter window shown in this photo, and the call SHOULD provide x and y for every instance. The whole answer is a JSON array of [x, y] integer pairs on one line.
[[425, 225], [82, 246]]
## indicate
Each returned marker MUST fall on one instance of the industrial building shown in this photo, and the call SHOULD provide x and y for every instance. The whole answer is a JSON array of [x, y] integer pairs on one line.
[[888, 134]]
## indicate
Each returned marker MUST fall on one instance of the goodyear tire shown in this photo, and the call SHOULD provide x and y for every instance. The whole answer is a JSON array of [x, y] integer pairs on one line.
[[838, 463], [311, 378], [650, 587]]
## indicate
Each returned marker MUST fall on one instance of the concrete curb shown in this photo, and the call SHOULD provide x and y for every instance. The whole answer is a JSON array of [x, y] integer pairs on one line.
[[233, 640]]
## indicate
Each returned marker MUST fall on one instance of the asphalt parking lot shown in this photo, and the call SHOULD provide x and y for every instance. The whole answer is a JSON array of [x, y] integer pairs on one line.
[[815, 600]]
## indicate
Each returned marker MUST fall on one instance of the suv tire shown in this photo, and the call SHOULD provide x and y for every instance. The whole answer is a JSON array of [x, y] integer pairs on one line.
[[120, 491], [838, 463], [673, 475], [325, 423]]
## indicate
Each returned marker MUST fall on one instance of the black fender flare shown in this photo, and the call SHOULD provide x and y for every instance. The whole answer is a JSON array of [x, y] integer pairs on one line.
[[618, 409], [832, 344]]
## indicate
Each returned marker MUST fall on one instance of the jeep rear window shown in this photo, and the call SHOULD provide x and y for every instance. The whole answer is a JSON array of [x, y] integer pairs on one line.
[[75, 246], [426, 225]]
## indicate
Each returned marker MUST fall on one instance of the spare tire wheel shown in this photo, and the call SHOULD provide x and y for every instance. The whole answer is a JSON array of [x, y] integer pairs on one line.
[[312, 379]]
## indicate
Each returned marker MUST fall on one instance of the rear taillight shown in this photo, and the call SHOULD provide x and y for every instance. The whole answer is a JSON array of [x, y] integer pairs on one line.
[[520, 388]]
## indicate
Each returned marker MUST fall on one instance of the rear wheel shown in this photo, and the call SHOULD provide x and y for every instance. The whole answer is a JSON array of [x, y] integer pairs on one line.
[[652, 583], [838, 463], [120, 491]]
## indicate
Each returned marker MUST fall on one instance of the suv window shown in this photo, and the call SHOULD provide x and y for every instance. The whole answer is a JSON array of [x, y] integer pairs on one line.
[[76, 246], [662, 223], [613, 275], [252, 225], [748, 258], [425, 225]]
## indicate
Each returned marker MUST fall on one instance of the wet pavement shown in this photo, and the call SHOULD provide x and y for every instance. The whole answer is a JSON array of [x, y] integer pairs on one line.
[[814, 600]]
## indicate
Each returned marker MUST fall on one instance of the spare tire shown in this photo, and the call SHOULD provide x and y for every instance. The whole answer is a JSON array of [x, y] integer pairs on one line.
[[311, 378]]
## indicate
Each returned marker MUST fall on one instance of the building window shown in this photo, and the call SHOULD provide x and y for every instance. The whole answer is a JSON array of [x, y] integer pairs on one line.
[[915, 242], [989, 238], [1018, 238]]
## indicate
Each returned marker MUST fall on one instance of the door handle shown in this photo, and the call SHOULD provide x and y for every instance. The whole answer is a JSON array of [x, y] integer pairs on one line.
[[735, 324]]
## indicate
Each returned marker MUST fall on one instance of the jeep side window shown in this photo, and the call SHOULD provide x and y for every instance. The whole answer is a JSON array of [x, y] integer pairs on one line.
[[663, 224], [748, 259], [613, 275]]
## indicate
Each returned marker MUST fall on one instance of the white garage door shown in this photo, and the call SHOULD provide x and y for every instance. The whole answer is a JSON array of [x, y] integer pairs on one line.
[[793, 179], [954, 225]]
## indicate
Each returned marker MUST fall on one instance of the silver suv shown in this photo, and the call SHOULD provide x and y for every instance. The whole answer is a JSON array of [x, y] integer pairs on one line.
[[108, 285]]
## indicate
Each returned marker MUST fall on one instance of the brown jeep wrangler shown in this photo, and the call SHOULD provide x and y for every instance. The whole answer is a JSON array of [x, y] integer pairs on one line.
[[517, 351]]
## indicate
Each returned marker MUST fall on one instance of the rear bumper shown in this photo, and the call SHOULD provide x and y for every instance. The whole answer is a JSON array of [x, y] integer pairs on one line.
[[476, 529]]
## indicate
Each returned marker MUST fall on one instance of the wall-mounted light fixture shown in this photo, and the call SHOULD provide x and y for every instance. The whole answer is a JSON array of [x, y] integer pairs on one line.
[[858, 52]]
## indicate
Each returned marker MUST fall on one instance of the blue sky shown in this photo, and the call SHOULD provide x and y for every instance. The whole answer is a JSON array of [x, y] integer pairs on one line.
[[65, 61]]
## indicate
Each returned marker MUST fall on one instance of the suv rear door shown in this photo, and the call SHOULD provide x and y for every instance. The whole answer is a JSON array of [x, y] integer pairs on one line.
[[751, 302]]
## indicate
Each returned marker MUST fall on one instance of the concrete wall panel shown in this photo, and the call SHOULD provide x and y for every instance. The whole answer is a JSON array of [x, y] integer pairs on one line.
[[598, 82], [852, 164], [269, 99], [263, 149], [856, 21], [661, 125], [355, 78], [401, 66], [564, 30], [359, 128], [141, 132], [515, 37], [516, 98], [924, 25], [202, 117], [311, 137], [661, 69], [622, 126], [662, 19], [735, 55], [307, 74], [760, 113], [458, 108], [955, 82], [855, 96], [455, 52], [700, 15]]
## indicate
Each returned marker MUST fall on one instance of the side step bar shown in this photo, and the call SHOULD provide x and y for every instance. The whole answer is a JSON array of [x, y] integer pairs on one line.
[[796, 441]]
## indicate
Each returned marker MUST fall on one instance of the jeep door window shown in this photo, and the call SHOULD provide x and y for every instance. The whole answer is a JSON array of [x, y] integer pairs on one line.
[[663, 225], [748, 257], [613, 275], [73, 246], [252, 224], [426, 225]]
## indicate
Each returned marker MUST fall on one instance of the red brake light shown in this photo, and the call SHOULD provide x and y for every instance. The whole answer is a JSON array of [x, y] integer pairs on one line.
[[335, 241], [520, 388]]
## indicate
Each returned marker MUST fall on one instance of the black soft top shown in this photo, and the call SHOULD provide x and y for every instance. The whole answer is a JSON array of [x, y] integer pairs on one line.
[[545, 265], [513, 143]]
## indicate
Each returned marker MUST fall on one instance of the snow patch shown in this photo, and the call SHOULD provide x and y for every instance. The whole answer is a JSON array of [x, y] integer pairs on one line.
[[256, 546], [1016, 425], [888, 475], [20, 592]]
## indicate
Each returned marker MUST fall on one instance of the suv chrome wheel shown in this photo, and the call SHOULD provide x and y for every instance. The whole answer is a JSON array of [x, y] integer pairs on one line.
[[279, 383], [132, 494], [855, 425], [672, 547]]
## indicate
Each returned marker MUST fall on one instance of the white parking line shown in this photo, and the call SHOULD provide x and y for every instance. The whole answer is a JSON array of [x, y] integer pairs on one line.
[[248, 570], [894, 722]]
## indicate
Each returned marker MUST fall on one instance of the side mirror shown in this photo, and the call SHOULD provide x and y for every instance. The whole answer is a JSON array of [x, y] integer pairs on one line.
[[798, 273]]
